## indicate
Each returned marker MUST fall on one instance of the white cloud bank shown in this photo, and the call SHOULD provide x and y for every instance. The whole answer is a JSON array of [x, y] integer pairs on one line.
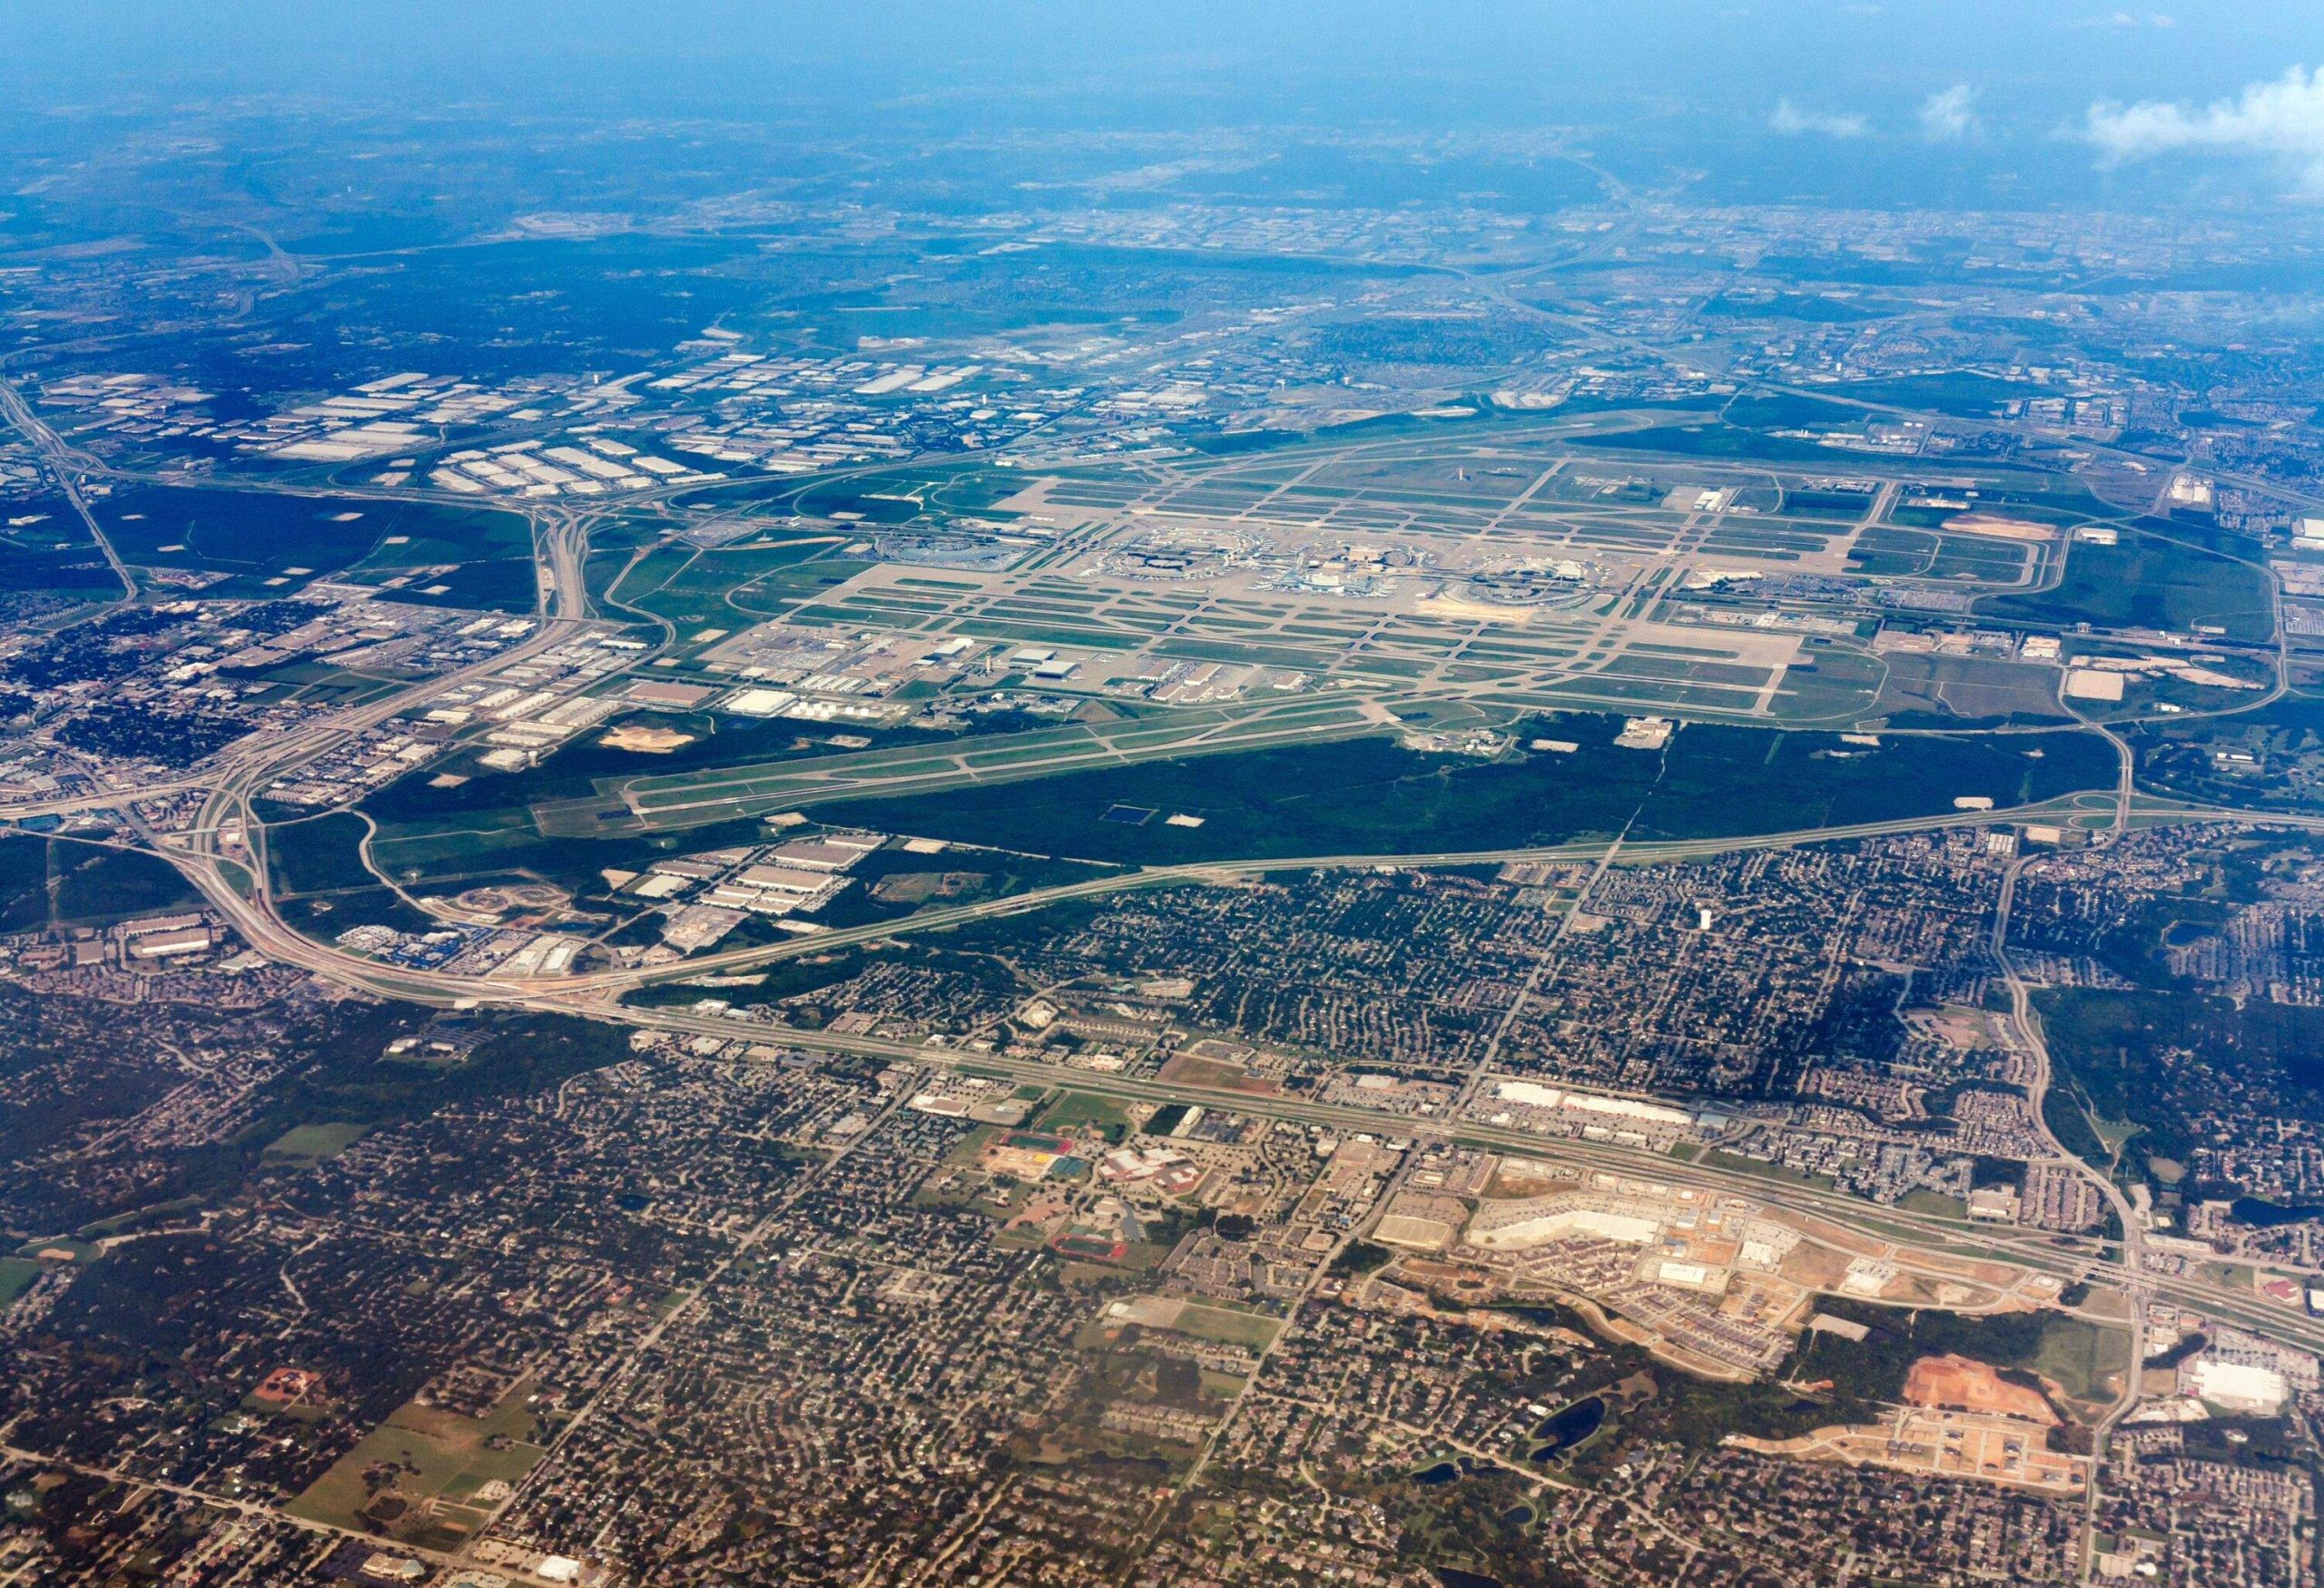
[[2282, 119], [1947, 116], [1793, 121]]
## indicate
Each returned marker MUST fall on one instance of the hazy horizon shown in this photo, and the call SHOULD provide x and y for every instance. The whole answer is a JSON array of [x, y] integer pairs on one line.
[[1970, 105]]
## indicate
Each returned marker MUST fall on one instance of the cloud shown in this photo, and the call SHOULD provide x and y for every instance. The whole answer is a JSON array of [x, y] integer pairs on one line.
[[1792, 121], [2282, 120], [2127, 19], [1947, 116]]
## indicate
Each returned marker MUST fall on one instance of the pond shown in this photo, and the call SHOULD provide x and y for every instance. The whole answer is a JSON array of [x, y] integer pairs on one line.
[[1570, 1426], [2261, 1215]]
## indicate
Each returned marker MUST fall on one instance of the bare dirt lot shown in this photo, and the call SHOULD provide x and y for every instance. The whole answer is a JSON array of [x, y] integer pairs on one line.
[[1955, 1382]]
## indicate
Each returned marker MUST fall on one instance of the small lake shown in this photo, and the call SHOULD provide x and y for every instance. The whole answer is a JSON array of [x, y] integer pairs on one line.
[[2261, 1215], [1569, 1427]]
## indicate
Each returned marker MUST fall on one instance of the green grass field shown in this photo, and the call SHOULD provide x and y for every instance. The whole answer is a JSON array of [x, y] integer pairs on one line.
[[1370, 795], [16, 1275], [306, 1144], [2080, 1357], [445, 1455], [1079, 1108], [318, 855], [96, 887], [1227, 1326], [2150, 582]]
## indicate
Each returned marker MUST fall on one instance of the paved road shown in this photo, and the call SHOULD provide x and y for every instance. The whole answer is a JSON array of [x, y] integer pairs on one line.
[[243, 894], [2137, 1285], [2064, 1258], [255, 914], [67, 465], [564, 546]]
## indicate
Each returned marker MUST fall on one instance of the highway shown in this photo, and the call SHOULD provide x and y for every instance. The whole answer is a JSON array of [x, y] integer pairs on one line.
[[201, 851], [2064, 1258], [597, 997], [223, 853], [198, 854], [238, 886], [2136, 1283], [67, 465]]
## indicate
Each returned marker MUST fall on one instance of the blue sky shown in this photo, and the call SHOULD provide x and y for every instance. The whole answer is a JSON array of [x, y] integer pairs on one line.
[[1813, 93]]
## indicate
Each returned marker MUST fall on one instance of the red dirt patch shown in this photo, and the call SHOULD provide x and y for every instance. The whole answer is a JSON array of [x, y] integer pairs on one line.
[[1957, 1383]]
